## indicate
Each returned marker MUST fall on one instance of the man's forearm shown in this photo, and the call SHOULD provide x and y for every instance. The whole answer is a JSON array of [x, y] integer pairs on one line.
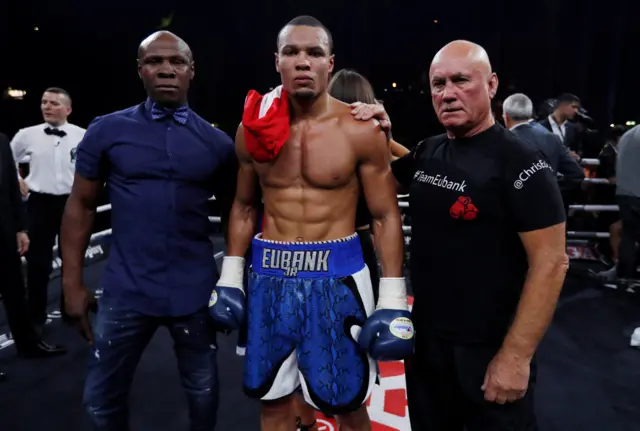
[[242, 227], [389, 242], [75, 234], [537, 305]]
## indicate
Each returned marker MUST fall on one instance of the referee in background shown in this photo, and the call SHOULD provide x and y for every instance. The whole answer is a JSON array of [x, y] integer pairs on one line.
[[51, 149]]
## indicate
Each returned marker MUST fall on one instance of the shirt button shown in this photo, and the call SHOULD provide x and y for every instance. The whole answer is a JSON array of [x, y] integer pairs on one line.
[[169, 128]]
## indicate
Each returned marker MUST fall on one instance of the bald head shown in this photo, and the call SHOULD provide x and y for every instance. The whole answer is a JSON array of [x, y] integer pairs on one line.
[[462, 86], [464, 51], [165, 37], [165, 65]]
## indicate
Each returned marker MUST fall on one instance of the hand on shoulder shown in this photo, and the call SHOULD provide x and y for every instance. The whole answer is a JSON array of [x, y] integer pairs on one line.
[[366, 112], [365, 132]]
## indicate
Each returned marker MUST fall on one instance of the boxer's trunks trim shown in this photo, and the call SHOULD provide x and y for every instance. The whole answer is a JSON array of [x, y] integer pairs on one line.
[[309, 260]]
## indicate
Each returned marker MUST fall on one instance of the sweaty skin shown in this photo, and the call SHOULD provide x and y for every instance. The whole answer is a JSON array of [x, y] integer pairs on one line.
[[310, 190]]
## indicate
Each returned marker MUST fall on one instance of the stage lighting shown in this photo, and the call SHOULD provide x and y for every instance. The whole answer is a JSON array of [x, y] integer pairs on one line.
[[12, 93]]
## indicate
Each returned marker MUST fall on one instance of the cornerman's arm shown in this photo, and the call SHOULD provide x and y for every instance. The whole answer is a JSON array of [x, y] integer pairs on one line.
[[379, 186], [243, 215], [548, 264], [77, 223]]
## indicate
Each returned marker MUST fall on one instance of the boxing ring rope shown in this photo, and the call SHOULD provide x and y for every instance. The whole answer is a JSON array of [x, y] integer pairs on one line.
[[596, 181], [585, 208], [107, 232], [590, 162], [407, 229], [107, 207], [404, 204], [576, 234]]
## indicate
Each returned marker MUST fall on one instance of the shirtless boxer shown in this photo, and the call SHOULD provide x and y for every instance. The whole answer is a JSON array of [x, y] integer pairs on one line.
[[350, 87], [310, 291]]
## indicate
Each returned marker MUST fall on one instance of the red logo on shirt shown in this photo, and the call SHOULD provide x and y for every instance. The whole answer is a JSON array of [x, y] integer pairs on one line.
[[463, 209]]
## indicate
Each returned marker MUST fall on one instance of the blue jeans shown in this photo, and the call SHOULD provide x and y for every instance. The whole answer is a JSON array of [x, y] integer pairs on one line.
[[121, 335]]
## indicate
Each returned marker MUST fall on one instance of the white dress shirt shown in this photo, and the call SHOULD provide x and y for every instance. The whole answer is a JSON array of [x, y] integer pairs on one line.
[[559, 130], [52, 159]]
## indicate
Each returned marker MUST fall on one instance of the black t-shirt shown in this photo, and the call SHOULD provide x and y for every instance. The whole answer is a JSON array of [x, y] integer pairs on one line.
[[469, 198]]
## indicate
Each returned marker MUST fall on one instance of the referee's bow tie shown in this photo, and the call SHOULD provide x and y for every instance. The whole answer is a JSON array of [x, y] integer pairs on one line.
[[56, 132], [179, 114]]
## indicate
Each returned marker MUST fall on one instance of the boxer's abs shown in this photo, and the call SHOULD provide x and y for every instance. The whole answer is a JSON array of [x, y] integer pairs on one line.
[[311, 190], [305, 214]]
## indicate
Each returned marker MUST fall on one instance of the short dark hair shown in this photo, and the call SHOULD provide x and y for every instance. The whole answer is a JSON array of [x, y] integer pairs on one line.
[[58, 90], [308, 21], [567, 98], [349, 86]]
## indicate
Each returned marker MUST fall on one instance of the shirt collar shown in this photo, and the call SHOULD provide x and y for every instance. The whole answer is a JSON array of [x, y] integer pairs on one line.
[[62, 126], [520, 124]]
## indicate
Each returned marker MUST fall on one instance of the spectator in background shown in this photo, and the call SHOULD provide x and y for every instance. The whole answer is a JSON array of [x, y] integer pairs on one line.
[[518, 117], [627, 174], [51, 149], [14, 242], [606, 194], [560, 123]]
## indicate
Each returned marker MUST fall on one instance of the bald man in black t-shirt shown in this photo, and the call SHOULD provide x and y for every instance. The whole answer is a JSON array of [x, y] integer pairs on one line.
[[488, 256]]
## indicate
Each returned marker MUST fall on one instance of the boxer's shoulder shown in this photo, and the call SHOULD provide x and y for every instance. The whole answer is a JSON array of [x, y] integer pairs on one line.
[[240, 147], [342, 112], [358, 131]]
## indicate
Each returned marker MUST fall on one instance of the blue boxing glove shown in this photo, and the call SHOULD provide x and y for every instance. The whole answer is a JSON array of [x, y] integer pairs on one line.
[[227, 302], [387, 335]]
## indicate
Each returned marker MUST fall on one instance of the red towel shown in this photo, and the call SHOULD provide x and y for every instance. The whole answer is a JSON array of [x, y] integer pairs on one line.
[[266, 123]]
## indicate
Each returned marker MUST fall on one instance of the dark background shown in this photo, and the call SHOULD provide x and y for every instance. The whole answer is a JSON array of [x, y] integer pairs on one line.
[[541, 48]]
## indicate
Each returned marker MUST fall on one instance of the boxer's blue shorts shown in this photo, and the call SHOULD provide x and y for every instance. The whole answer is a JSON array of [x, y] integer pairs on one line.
[[307, 303]]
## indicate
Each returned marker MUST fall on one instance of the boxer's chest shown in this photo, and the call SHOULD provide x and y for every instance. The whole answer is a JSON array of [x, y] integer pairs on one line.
[[315, 155]]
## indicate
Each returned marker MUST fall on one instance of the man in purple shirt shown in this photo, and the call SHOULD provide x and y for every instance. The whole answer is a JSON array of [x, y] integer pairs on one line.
[[160, 162]]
